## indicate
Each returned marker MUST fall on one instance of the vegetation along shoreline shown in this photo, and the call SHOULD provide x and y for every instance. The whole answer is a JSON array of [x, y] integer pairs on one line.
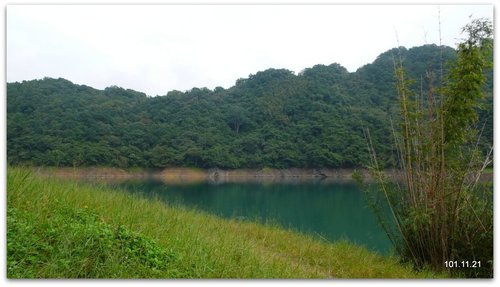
[[67, 229]]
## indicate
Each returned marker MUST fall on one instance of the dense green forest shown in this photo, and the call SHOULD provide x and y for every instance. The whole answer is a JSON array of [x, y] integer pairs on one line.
[[274, 118]]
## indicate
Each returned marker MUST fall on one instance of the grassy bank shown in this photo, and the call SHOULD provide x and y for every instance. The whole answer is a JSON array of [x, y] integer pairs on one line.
[[63, 229]]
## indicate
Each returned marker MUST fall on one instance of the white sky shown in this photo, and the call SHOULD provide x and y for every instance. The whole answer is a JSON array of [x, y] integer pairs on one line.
[[159, 48]]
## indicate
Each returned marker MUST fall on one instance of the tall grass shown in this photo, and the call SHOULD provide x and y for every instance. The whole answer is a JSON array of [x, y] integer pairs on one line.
[[441, 211], [63, 229]]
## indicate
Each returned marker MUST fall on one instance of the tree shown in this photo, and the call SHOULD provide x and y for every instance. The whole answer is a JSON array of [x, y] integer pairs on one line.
[[237, 117], [440, 212]]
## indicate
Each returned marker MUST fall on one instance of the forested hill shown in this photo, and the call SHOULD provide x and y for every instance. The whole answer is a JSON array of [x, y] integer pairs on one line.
[[271, 119]]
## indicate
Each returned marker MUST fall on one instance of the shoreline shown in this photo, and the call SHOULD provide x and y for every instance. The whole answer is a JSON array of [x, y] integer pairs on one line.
[[216, 175], [137, 237], [183, 174]]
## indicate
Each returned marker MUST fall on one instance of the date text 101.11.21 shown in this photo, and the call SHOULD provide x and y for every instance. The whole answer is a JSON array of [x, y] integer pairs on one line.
[[462, 264]]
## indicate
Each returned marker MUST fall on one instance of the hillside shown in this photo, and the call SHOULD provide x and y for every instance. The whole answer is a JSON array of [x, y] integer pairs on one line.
[[271, 119]]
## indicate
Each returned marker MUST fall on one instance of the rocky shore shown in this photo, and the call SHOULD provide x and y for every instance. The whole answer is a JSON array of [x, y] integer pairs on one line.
[[215, 175]]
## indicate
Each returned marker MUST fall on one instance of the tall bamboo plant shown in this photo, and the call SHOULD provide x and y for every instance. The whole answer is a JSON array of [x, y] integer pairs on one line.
[[441, 212]]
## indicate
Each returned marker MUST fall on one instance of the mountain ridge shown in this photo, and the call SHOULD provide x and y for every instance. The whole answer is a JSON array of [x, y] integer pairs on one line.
[[274, 118], [334, 64]]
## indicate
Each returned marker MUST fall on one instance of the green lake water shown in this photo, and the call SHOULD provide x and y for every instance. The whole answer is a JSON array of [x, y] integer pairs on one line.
[[330, 211]]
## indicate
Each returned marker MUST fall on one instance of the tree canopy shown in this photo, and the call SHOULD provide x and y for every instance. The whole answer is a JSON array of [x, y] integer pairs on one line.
[[274, 118]]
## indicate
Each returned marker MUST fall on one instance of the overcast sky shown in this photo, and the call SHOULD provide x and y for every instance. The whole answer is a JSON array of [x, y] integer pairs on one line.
[[156, 49]]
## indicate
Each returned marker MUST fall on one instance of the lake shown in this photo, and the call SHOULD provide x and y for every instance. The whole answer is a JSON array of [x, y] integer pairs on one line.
[[328, 210]]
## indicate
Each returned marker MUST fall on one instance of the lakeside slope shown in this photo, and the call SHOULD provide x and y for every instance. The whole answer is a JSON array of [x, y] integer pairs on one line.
[[64, 229]]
